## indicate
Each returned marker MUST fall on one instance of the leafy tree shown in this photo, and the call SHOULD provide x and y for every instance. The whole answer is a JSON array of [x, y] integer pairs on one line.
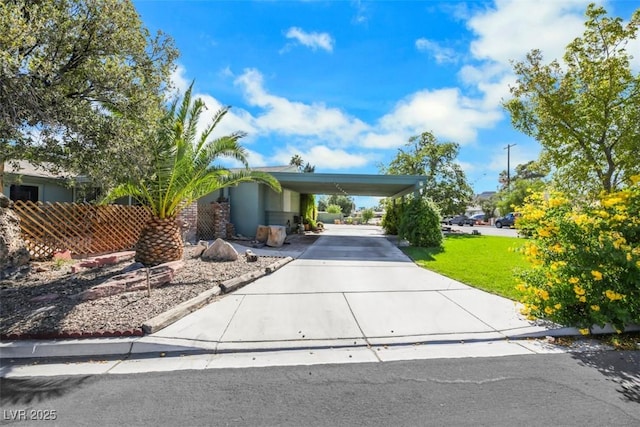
[[296, 160], [345, 203], [80, 80], [446, 182], [531, 170], [367, 215], [183, 171], [510, 199], [529, 177], [334, 209], [584, 113], [489, 206], [322, 204]]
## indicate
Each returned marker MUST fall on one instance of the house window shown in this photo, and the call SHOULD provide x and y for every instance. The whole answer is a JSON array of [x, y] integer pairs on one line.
[[24, 193]]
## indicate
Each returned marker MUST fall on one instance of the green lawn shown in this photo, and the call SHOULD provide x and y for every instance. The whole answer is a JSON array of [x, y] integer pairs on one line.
[[483, 262]]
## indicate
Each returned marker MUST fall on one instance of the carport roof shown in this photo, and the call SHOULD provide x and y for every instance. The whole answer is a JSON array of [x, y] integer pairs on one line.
[[350, 184]]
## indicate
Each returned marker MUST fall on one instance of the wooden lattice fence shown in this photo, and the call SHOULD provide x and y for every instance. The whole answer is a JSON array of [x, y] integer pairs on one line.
[[80, 228]]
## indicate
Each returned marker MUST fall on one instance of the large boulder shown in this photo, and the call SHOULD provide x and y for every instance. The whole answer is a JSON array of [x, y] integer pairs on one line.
[[277, 234], [13, 251], [262, 233], [220, 251]]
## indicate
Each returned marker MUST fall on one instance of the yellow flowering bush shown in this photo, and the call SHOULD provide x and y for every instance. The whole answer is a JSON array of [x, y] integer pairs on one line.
[[585, 260]]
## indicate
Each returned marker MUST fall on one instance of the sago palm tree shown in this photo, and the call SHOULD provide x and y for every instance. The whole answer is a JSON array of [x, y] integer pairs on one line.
[[182, 172]]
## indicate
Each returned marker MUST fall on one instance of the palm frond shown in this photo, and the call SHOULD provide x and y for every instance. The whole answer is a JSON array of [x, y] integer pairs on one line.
[[184, 161]]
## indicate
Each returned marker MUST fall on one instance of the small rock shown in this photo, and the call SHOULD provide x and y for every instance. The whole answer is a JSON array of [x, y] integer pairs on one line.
[[251, 257], [198, 250]]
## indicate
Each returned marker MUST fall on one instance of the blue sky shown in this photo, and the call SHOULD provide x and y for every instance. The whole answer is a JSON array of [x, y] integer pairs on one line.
[[344, 84]]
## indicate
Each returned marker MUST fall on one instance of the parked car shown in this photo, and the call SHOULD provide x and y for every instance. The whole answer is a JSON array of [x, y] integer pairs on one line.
[[459, 220], [509, 220], [477, 218]]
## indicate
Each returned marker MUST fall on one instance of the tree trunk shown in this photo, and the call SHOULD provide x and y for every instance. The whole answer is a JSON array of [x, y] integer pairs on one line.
[[159, 242]]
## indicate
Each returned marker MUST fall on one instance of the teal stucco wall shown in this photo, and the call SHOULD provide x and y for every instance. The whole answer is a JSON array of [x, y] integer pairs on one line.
[[256, 204], [247, 208]]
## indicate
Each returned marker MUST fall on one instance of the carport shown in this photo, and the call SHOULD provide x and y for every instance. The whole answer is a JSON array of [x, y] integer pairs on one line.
[[254, 204], [392, 186]]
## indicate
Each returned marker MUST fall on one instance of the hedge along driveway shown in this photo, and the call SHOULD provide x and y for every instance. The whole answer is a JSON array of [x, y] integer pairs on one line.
[[484, 262]]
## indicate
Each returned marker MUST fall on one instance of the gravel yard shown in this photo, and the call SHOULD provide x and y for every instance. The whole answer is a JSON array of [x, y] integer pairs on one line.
[[39, 303]]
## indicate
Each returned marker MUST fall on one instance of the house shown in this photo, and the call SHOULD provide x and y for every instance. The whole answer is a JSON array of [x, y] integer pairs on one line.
[[27, 182], [244, 206]]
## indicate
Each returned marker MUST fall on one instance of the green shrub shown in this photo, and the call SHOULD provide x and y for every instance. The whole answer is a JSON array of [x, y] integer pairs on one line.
[[420, 223], [585, 260], [367, 215], [334, 209], [391, 217]]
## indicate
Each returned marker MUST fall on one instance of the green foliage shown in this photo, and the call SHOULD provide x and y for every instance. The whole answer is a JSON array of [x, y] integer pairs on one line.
[[322, 204], [508, 200], [585, 260], [334, 209], [391, 217], [296, 160], [420, 223], [489, 206], [446, 183], [183, 169], [585, 112], [308, 208], [345, 203], [80, 81], [367, 215]]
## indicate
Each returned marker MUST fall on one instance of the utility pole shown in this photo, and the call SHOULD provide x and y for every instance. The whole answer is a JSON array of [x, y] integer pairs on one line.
[[508, 148]]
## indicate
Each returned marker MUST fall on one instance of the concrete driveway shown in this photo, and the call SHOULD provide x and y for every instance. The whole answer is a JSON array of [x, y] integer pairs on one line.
[[352, 287]]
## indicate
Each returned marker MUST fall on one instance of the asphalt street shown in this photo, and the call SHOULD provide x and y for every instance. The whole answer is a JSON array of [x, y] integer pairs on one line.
[[600, 388]]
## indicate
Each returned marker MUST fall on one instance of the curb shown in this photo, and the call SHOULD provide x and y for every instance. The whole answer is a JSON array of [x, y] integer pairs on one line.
[[176, 313], [238, 282]]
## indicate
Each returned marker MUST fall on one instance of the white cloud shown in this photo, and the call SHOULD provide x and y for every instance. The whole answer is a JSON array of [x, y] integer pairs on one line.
[[312, 40], [384, 140], [440, 53], [514, 27], [361, 16], [286, 117], [445, 112], [324, 157], [508, 31]]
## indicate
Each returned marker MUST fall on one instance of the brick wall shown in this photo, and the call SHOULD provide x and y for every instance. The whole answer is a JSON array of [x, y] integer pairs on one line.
[[214, 221], [188, 219]]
